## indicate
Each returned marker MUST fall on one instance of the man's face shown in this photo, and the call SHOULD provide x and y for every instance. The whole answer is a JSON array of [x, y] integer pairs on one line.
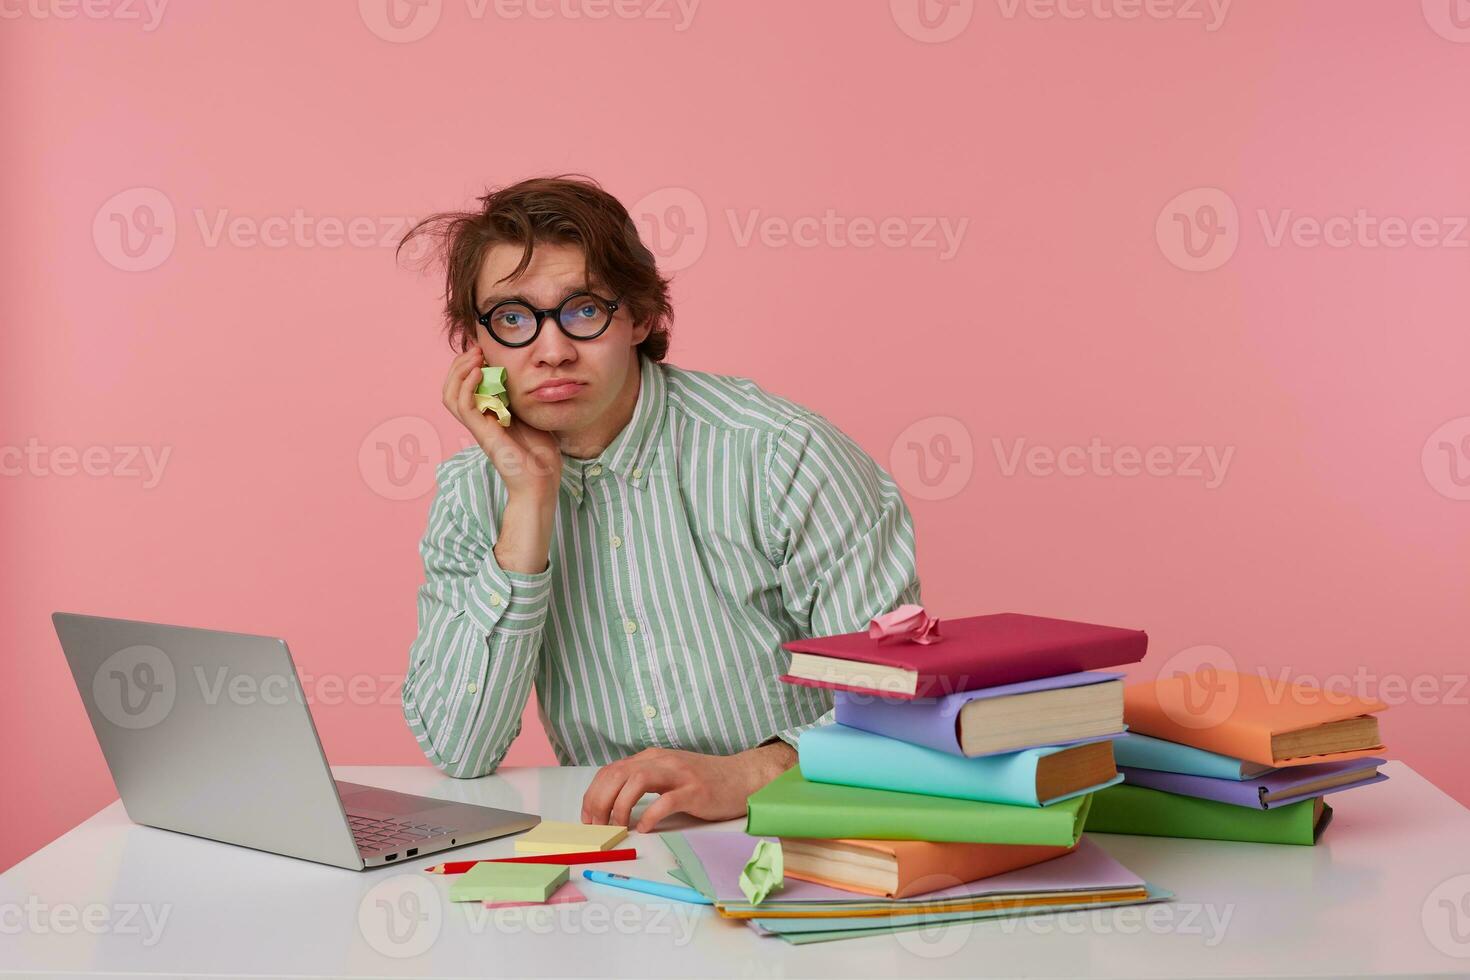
[[602, 367]]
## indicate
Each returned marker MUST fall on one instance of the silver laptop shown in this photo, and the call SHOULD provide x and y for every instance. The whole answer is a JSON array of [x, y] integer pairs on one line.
[[208, 733]]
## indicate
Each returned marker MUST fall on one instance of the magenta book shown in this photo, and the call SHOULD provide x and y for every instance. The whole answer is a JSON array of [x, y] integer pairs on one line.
[[972, 653]]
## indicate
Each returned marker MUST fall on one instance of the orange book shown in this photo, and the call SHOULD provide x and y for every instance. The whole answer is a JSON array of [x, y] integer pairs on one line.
[[1249, 717], [901, 868]]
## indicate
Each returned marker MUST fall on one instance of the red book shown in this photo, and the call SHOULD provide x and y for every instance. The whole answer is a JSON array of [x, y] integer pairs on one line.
[[972, 653]]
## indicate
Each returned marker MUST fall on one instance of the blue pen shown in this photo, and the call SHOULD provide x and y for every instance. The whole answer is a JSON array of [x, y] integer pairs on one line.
[[677, 892]]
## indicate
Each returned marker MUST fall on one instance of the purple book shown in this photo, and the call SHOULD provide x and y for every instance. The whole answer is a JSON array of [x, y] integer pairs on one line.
[[1295, 782], [934, 722]]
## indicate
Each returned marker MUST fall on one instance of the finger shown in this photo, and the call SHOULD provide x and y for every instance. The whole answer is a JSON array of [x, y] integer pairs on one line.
[[467, 385], [645, 780], [667, 804], [458, 368], [484, 426], [598, 800]]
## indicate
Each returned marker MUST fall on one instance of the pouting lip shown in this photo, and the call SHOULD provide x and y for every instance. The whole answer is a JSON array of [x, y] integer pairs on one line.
[[558, 382]]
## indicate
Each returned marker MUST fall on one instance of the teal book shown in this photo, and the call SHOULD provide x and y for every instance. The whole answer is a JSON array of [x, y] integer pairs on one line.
[[1127, 809], [791, 806], [1160, 755], [1032, 777]]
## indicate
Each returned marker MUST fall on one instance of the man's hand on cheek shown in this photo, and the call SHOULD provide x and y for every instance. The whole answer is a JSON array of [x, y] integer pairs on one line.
[[710, 787]]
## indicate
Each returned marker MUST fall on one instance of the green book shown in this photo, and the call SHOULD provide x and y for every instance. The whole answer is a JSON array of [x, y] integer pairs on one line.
[[790, 806], [498, 881], [1126, 809]]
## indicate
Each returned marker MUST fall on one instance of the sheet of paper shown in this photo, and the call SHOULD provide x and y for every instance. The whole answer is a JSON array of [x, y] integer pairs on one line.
[[802, 931]]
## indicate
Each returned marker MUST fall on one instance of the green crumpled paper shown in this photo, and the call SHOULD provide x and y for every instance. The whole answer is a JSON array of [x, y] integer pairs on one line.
[[490, 394], [763, 872]]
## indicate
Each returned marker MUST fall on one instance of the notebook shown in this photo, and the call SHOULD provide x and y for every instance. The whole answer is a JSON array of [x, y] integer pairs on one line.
[[1031, 777], [1239, 715], [903, 868], [791, 806], [1146, 752], [973, 652], [1067, 709], [1125, 809], [1274, 789]]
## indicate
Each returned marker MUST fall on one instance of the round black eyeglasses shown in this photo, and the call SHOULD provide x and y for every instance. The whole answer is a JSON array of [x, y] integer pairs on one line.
[[516, 323]]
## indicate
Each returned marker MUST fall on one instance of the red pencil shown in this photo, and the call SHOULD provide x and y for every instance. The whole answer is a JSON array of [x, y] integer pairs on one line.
[[578, 857]]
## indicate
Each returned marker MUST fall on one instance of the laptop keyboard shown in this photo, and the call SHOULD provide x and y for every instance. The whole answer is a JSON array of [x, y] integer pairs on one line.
[[383, 834]]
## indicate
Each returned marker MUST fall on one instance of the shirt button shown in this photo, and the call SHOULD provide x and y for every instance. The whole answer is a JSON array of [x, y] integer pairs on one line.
[[496, 598], [472, 688], [630, 627], [637, 472], [649, 711], [595, 470], [615, 541]]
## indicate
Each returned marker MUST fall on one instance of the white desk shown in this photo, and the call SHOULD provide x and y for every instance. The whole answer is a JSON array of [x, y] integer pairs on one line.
[[1379, 896]]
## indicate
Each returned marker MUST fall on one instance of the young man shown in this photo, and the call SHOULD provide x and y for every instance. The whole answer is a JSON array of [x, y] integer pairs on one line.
[[640, 540]]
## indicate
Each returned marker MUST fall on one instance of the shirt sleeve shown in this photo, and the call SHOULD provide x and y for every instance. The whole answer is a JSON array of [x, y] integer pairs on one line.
[[842, 540], [474, 658]]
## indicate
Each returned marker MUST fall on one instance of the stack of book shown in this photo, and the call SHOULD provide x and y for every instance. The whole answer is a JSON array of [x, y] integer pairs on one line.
[[1226, 756], [950, 761]]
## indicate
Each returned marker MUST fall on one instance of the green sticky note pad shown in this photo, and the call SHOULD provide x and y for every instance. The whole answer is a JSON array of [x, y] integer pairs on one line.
[[495, 881]]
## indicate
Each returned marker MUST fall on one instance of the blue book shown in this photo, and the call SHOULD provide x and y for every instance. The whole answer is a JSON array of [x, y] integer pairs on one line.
[[1031, 777], [1146, 752]]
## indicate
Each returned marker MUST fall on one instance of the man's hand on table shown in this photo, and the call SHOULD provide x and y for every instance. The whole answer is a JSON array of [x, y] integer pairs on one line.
[[710, 787]]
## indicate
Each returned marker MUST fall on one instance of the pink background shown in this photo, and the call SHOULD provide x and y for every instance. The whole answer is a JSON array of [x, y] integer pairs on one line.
[[1336, 541]]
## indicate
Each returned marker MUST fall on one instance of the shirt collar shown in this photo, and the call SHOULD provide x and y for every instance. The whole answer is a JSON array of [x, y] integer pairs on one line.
[[631, 451]]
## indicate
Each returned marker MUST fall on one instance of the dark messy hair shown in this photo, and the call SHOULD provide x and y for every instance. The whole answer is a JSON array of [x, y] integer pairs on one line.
[[566, 209]]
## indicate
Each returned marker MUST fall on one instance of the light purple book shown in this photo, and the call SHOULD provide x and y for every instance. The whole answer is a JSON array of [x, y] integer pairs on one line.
[[724, 853], [934, 722], [1251, 792]]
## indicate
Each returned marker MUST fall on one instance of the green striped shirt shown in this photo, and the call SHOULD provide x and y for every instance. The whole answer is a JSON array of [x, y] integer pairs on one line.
[[720, 522]]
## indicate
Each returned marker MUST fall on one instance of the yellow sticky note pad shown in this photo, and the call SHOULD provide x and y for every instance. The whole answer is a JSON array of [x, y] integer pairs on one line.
[[560, 837]]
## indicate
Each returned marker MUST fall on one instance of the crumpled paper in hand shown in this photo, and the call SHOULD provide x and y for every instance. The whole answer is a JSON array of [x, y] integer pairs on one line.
[[490, 394]]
